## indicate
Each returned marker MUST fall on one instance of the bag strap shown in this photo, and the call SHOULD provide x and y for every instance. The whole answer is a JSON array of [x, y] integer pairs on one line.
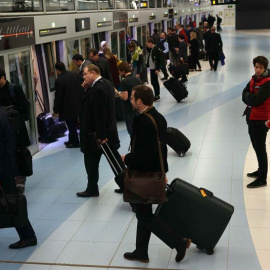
[[158, 140]]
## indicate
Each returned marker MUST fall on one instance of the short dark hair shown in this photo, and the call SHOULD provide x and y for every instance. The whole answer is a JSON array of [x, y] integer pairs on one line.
[[93, 51], [181, 36], [2, 73], [155, 31], [145, 93], [60, 66], [260, 60], [125, 67], [150, 40], [77, 57]]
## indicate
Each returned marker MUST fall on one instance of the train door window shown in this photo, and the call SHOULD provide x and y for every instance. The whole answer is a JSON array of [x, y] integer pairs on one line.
[[52, 5], [21, 74], [122, 45], [134, 4], [144, 38], [121, 4], [49, 58], [159, 3], [152, 3], [85, 47], [159, 27], [21, 6], [87, 4], [139, 35], [72, 48], [2, 64], [114, 43], [106, 4]]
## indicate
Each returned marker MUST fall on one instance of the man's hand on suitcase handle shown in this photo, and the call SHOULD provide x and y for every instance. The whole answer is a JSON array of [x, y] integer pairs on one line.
[[102, 141]]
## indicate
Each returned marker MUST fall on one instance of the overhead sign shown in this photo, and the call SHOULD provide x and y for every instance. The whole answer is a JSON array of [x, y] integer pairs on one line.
[[104, 24], [52, 31], [223, 2], [132, 20], [16, 32]]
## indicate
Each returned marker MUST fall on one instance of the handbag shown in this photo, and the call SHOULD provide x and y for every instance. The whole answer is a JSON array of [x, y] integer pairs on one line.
[[24, 162], [145, 187]]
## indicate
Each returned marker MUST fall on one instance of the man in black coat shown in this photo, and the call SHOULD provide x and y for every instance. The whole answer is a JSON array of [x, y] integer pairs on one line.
[[182, 55], [173, 43], [67, 101], [98, 125], [21, 104], [145, 157], [8, 171], [101, 63], [80, 62], [214, 47]]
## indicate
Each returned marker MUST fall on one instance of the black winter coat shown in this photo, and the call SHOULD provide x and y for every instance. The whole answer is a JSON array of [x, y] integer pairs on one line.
[[146, 156], [214, 43], [98, 116], [68, 95], [21, 104]]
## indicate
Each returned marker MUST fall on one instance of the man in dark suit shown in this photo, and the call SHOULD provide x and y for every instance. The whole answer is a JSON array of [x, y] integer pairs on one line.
[[101, 63], [81, 63], [214, 47], [145, 157], [8, 169], [182, 55], [98, 125], [67, 101]]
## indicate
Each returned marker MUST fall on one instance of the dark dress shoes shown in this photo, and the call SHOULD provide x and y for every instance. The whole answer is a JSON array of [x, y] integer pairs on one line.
[[132, 257], [24, 243], [119, 190], [71, 145], [253, 174], [87, 194], [257, 183], [66, 143], [181, 250]]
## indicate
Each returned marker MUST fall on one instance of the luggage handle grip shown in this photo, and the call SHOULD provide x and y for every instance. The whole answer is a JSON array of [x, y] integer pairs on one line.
[[205, 192]]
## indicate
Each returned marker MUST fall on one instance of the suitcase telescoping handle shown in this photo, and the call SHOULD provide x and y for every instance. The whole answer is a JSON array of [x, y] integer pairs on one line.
[[205, 192]]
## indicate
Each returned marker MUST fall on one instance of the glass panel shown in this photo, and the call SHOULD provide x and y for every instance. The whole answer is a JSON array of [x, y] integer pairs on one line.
[[72, 48], [2, 64], [152, 3], [20, 5], [87, 4], [159, 3], [134, 4], [122, 45], [121, 4], [48, 52], [106, 4], [21, 74], [60, 5], [139, 35], [114, 43], [85, 47], [144, 38]]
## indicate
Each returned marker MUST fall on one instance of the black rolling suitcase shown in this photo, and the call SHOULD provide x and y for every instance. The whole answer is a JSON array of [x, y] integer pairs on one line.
[[195, 213], [176, 88], [177, 141], [117, 165]]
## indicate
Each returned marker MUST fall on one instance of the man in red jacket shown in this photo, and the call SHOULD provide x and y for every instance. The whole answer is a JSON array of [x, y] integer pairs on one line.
[[256, 96]]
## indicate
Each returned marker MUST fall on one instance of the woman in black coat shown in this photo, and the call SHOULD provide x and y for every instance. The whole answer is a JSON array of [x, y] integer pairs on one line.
[[194, 52]]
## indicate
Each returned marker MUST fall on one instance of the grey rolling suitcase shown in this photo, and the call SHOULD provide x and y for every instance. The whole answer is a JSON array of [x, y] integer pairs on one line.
[[195, 213]]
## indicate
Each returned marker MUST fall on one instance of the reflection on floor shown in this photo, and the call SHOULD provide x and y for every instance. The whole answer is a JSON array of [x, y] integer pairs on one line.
[[75, 232]]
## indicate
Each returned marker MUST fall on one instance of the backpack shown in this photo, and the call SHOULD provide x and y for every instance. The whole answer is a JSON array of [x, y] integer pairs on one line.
[[14, 117], [27, 115]]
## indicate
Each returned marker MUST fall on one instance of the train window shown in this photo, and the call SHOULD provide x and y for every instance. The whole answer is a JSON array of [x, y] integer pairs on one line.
[[85, 47], [59, 5], [106, 4], [49, 58], [122, 45], [72, 48], [114, 43], [2, 65], [87, 4], [159, 3], [134, 4], [139, 35], [152, 3], [21, 5], [121, 4]]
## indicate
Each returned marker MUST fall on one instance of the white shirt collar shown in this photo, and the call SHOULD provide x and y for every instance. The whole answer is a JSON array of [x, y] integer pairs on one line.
[[82, 65], [97, 79]]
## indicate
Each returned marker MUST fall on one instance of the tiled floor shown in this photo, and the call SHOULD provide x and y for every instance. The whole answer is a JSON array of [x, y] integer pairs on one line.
[[74, 233]]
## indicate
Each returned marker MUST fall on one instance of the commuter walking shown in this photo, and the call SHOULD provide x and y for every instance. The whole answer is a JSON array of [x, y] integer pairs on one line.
[[145, 157], [81, 63], [172, 39], [214, 47], [98, 125], [67, 101], [164, 47], [8, 169], [219, 21], [182, 54], [11, 94], [194, 52], [256, 95]]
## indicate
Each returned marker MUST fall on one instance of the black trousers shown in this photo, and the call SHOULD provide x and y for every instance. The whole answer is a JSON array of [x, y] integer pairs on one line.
[[129, 117], [73, 137], [154, 82], [258, 138], [149, 223], [213, 60], [165, 72], [91, 162]]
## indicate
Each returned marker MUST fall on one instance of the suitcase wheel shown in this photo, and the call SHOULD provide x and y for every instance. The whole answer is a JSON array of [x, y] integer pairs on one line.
[[181, 153], [210, 251]]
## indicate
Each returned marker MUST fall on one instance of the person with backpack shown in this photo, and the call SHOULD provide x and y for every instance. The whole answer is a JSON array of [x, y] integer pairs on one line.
[[155, 61], [11, 94]]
